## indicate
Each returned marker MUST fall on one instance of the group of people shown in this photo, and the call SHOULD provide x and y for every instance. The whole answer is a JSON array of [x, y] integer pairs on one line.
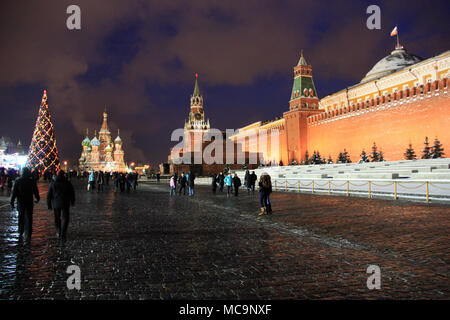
[[60, 197], [122, 181], [232, 184], [6, 178], [181, 182]]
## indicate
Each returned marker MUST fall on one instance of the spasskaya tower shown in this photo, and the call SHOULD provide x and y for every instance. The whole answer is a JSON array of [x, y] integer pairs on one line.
[[196, 125]]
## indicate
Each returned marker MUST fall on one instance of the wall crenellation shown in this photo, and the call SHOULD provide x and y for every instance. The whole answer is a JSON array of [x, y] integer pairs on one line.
[[382, 102]]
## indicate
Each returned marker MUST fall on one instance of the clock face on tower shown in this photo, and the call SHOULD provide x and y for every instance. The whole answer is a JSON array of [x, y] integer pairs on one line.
[[198, 116]]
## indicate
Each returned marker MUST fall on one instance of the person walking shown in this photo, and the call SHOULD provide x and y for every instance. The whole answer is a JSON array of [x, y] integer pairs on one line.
[[116, 181], [172, 185], [253, 179], [228, 183], [122, 182], [2, 179], [236, 184], [91, 181], [128, 182], [24, 188], [175, 175], [100, 181], [10, 179], [107, 177], [135, 180], [182, 184], [221, 180], [214, 183], [60, 196], [247, 181], [190, 181], [265, 189]]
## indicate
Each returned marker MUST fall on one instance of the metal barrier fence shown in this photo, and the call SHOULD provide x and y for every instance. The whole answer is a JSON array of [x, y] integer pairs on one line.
[[425, 189]]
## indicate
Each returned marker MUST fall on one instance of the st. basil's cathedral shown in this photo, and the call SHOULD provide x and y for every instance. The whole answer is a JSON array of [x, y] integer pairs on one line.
[[103, 154]]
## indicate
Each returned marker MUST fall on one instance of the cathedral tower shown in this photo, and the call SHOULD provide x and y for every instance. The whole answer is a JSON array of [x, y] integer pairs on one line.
[[104, 137], [118, 152]]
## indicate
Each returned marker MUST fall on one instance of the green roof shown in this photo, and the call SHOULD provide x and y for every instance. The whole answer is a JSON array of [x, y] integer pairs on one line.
[[86, 142], [302, 83]]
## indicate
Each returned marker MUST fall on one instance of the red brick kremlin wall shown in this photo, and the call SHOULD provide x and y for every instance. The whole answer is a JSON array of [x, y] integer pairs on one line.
[[410, 115]]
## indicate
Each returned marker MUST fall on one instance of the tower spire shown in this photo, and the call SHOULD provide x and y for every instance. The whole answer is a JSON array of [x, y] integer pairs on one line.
[[302, 61], [196, 87], [105, 122]]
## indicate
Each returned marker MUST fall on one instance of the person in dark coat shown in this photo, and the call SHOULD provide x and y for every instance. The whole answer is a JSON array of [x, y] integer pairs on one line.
[[116, 181], [265, 189], [253, 179], [221, 180], [100, 181], [236, 183], [128, 181], [190, 181], [214, 183], [122, 182], [247, 180], [135, 180], [23, 190], [182, 182], [60, 197]]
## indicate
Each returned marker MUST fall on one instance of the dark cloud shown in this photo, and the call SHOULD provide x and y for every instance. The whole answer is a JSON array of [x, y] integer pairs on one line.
[[138, 58]]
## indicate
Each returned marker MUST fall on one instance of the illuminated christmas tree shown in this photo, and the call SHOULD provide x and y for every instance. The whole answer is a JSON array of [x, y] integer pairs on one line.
[[43, 153]]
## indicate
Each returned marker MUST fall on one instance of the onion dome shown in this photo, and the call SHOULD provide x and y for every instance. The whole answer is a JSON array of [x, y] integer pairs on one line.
[[86, 142], [109, 148], [397, 60], [118, 140], [95, 142]]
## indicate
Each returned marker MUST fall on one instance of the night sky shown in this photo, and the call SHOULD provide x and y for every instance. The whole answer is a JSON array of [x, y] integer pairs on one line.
[[138, 59]]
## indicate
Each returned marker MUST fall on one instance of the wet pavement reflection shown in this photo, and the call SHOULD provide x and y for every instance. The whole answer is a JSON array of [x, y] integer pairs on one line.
[[148, 245]]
